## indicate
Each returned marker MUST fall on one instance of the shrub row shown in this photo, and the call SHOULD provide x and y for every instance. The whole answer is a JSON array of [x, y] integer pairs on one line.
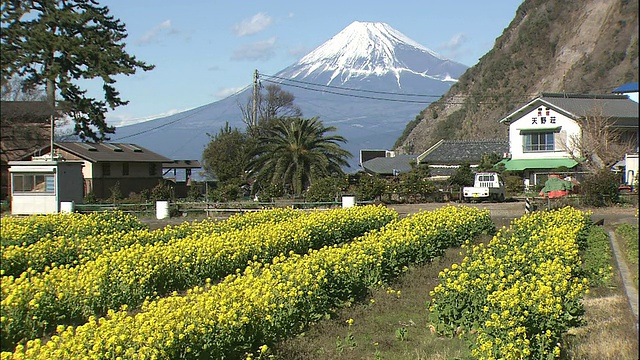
[[519, 293], [31, 306], [110, 233], [265, 302], [24, 231]]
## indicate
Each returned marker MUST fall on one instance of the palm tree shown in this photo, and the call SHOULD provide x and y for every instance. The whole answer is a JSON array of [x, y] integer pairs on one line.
[[295, 151]]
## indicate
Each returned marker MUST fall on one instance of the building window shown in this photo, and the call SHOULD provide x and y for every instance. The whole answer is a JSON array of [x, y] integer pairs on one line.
[[534, 142], [106, 169], [125, 169], [152, 170], [40, 183]]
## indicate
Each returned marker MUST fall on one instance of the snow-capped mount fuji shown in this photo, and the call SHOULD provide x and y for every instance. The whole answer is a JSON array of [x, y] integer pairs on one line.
[[365, 56], [367, 50]]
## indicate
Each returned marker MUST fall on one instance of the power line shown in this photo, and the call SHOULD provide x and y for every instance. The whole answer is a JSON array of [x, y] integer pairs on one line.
[[285, 82], [171, 122], [351, 95], [399, 100], [350, 89]]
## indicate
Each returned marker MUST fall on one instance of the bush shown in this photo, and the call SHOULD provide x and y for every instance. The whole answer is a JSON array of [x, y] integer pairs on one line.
[[370, 187], [463, 176], [325, 189], [270, 192], [600, 189], [227, 191], [116, 193], [193, 194], [90, 198], [162, 191], [513, 184]]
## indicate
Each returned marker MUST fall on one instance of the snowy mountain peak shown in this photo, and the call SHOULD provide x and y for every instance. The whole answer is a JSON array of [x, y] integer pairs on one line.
[[365, 49]]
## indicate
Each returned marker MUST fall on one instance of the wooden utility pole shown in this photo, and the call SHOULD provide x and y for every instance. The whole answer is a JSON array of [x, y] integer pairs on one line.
[[254, 115], [51, 97]]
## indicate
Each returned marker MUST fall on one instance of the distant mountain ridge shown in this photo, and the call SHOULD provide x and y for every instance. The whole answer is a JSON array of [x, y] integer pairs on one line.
[[364, 56]]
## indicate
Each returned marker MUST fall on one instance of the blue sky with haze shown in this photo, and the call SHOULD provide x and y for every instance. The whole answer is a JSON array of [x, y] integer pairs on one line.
[[207, 50]]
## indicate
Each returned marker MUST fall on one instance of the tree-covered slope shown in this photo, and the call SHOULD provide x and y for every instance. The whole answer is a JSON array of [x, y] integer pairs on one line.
[[588, 46]]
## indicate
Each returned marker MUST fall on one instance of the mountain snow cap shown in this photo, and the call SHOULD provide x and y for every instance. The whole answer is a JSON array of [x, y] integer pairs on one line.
[[363, 49]]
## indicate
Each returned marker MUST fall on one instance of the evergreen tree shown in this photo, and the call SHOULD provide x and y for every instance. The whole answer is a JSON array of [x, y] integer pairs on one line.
[[227, 154], [55, 43]]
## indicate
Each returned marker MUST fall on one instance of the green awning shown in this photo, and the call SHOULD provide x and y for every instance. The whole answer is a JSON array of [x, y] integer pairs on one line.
[[523, 164]]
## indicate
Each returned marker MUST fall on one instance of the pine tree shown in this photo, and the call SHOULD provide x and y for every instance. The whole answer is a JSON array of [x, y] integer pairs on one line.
[[56, 43]]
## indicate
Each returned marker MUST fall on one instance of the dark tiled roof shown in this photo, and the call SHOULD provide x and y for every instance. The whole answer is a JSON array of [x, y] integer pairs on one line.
[[456, 152], [386, 165], [110, 152], [576, 106], [438, 171]]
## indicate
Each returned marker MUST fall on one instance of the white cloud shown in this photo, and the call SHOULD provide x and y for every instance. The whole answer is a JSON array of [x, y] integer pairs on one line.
[[261, 50], [224, 93], [255, 24], [455, 42], [152, 35], [121, 120], [298, 51]]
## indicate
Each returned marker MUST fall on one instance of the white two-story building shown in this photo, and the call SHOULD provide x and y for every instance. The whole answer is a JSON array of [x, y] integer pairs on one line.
[[541, 133]]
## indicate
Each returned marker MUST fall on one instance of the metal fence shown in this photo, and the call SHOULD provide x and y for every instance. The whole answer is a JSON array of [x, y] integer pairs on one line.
[[184, 208]]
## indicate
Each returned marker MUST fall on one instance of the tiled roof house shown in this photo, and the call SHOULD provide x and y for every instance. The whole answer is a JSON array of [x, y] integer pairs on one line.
[[540, 131], [24, 128], [446, 156], [132, 167]]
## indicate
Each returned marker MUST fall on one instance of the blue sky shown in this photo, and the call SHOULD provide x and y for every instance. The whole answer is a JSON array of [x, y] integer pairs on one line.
[[206, 50]]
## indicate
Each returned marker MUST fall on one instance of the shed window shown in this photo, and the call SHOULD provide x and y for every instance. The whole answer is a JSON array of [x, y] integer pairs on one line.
[[152, 169], [125, 169], [41, 183]]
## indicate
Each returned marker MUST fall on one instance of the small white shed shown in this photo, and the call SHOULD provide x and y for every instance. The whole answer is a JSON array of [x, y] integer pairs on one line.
[[41, 185]]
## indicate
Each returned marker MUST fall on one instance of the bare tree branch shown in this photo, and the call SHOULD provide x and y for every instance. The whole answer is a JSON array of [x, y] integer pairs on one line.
[[601, 143]]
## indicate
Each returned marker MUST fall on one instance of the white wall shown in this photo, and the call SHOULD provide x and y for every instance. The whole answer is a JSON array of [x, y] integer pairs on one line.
[[22, 204], [67, 187], [631, 168], [568, 129]]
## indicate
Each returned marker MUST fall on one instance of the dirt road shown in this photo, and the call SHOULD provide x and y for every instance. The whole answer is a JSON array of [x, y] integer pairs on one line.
[[501, 213]]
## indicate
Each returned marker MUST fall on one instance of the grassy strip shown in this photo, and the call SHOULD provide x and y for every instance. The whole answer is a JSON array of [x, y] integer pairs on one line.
[[597, 258], [32, 306], [266, 302], [630, 234]]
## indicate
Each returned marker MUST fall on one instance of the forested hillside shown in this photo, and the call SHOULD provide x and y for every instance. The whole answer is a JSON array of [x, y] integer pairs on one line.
[[588, 46]]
